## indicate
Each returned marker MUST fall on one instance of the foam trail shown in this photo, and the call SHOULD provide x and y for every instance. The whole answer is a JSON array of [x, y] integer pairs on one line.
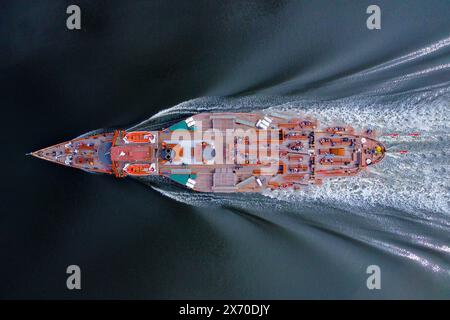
[[404, 193]]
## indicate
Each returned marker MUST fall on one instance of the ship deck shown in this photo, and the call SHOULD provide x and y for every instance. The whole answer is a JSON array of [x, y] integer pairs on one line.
[[227, 152], [291, 153]]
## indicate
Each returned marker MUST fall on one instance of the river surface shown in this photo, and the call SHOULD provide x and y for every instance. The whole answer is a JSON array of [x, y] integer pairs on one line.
[[165, 60]]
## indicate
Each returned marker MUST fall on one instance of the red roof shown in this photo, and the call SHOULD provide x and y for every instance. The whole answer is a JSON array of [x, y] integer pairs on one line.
[[131, 153]]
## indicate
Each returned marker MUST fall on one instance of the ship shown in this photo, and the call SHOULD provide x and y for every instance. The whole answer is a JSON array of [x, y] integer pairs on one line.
[[227, 152]]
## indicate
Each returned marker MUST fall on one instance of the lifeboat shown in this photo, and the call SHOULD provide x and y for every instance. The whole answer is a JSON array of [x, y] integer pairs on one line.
[[139, 169], [139, 137]]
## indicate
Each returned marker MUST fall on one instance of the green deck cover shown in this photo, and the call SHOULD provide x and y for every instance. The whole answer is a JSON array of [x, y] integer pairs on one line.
[[182, 178], [181, 125]]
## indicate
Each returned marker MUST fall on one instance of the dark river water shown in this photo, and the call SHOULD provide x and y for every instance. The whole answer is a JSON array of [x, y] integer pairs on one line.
[[164, 60]]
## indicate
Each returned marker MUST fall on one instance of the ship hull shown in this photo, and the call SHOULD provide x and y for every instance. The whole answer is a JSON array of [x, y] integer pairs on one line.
[[228, 152]]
